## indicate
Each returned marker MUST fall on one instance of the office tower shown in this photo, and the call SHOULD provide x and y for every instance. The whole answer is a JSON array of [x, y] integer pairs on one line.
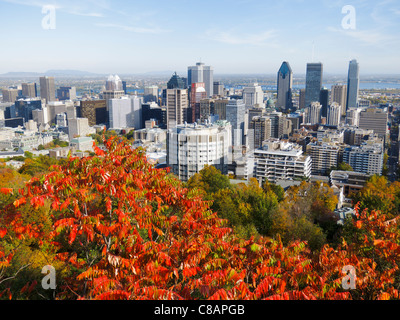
[[324, 101], [176, 101], [313, 83], [313, 113], [277, 123], [152, 110], [29, 90], [334, 114], [253, 96], [353, 84], [339, 95], [120, 113], [260, 130], [10, 95], [114, 83], [47, 89], [79, 127], [220, 108], [302, 99], [235, 114], [150, 94], [284, 87], [191, 147], [113, 88], [278, 160], [219, 89], [176, 82], [124, 88], [202, 73], [296, 119], [95, 111], [66, 93], [374, 119], [136, 103], [206, 109], [197, 93], [24, 108]]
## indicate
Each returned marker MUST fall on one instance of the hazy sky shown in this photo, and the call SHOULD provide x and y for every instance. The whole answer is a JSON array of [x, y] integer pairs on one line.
[[234, 36]]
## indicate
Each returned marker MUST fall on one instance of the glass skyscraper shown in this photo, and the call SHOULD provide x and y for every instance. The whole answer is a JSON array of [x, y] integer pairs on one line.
[[313, 83], [353, 84], [285, 82]]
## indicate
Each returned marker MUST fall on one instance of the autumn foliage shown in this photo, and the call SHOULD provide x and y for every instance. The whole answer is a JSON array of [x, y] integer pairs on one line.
[[121, 229]]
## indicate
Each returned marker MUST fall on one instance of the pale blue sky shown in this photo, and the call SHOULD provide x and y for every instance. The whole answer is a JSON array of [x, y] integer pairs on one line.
[[234, 36]]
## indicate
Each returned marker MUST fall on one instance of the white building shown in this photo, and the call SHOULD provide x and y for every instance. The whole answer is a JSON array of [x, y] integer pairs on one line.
[[278, 160], [313, 113], [191, 147], [82, 144], [334, 114], [79, 128], [253, 96], [367, 158]]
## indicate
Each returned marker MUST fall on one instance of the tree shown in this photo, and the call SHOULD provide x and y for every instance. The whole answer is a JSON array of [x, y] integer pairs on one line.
[[122, 229]]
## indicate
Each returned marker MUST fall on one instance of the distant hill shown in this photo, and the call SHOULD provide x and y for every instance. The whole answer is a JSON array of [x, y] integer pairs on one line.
[[51, 73]]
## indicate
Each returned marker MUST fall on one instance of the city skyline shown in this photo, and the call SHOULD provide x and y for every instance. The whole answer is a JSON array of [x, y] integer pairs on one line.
[[235, 37]]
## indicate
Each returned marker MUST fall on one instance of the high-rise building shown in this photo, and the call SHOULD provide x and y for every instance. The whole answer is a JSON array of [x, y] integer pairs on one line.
[[353, 84], [206, 109], [176, 82], [235, 114], [10, 95], [313, 113], [120, 113], [260, 130], [366, 159], [253, 96], [219, 89], [66, 93], [176, 102], [202, 73], [113, 89], [190, 147], [24, 108], [152, 110], [150, 94], [302, 99], [339, 95], [324, 101], [95, 111], [284, 89], [334, 114], [47, 89], [277, 123], [29, 90], [220, 108], [313, 83], [197, 93], [375, 119], [324, 156]]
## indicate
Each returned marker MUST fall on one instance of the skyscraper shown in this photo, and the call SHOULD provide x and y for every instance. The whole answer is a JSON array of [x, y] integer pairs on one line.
[[176, 101], [47, 89], [197, 93], [202, 73], [285, 82], [313, 113], [29, 90], [313, 83], [235, 114], [339, 95], [253, 96], [334, 114], [324, 101], [353, 84]]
